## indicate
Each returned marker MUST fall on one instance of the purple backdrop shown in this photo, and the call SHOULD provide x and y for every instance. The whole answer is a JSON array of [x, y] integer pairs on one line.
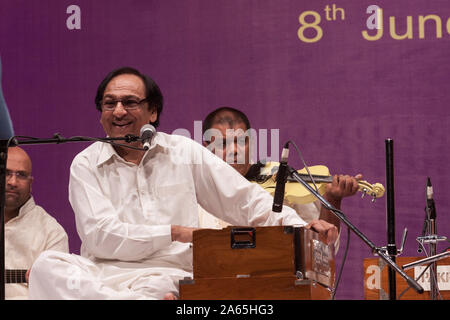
[[338, 98]]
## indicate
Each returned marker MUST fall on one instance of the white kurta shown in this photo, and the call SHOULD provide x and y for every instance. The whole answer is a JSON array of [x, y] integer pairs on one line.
[[124, 214], [26, 236], [308, 212]]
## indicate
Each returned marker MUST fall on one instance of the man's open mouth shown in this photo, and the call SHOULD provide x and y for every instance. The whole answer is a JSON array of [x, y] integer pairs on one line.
[[122, 125]]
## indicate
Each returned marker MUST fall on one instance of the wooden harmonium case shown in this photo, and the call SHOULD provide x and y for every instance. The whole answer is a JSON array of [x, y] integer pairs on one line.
[[263, 256]]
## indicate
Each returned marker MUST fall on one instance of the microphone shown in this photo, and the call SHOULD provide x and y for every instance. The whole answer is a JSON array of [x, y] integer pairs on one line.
[[430, 213], [431, 209], [281, 180], [147, 133]]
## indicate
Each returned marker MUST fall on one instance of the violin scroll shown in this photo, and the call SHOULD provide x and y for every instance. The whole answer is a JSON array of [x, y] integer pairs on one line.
[[374, 190]]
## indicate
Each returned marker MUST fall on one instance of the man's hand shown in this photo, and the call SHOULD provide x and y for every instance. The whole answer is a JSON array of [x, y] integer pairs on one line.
[[182, 234], [342, 186], [327, 230]]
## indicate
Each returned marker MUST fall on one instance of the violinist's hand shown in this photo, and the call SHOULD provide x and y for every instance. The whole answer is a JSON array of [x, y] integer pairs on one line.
[[326, 230], [342, 186]]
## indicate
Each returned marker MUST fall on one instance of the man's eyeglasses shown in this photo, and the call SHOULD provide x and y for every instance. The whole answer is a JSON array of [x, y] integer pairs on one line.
[[127, 103], [20, 175]]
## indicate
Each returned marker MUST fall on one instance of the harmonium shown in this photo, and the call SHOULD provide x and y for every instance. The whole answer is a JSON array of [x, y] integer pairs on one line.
[[261, 263]]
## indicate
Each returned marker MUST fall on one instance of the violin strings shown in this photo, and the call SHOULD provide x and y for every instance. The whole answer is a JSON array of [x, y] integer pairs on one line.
[[304, 164]]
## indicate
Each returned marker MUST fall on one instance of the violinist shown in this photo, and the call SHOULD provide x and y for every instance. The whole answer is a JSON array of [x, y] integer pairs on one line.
[[234, 149]]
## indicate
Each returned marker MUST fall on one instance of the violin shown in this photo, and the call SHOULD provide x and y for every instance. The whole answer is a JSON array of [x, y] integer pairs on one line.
[[296, 193]]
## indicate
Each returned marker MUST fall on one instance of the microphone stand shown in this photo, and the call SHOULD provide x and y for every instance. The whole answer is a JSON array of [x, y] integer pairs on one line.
[[432, 239], [433, 271], [4, 144], [3, 158], [390, 216], [57, 139], [375, 250], [431, 259]]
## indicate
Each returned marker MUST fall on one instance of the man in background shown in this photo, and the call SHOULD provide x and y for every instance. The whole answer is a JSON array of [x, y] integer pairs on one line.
[[231, 125], [29, 230]]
